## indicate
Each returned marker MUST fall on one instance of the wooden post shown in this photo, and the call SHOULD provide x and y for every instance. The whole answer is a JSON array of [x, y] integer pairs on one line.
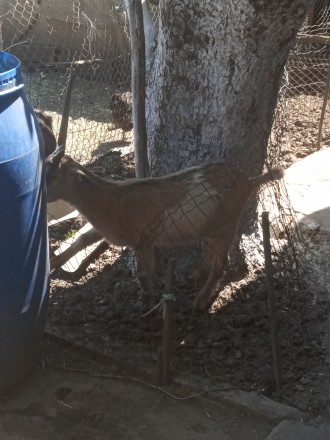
[[324, 106], [159, 367], [66, 113], [272, 303], [138, 68], [167, 321]]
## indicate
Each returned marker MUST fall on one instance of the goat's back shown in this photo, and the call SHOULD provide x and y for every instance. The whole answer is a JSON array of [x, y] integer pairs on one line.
[[203, 202], [173, 210], [176, 209]]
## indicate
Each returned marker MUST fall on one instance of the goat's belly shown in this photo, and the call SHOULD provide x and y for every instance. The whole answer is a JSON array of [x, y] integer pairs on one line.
[[118, 241], [185, 224], [114, 232]]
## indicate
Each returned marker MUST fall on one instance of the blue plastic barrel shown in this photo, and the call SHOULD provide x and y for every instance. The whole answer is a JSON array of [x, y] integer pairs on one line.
[[24, 262]]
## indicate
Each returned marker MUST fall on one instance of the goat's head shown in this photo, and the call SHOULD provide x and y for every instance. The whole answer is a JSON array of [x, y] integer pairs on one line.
[[46, 126], [46, 119], [61, 174]]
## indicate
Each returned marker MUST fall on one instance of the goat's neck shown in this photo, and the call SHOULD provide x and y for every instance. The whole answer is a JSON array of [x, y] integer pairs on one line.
[[93, 196]]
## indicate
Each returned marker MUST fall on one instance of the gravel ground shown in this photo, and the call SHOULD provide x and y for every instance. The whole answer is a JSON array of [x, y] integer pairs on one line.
[[231, 342]]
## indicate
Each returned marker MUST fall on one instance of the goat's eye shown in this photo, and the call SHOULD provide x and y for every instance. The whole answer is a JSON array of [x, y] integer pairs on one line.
[[78, 175]]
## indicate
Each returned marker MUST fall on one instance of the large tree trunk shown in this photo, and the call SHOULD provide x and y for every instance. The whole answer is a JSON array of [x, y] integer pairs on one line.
[[213, 84]]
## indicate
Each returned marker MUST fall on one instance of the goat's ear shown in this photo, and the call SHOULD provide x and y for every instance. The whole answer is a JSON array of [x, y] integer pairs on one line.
[[56, 157], [78, 175]]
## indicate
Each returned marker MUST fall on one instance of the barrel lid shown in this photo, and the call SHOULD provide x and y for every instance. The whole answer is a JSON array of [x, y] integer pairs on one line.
[[10, 73]]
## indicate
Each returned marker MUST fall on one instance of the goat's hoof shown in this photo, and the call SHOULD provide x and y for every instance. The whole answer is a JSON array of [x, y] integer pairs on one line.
[[198, 305], [202, 302]]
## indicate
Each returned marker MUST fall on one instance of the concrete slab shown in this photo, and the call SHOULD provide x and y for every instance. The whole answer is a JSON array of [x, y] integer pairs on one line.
[[74, 263], [289, 430], [57, 404], [308, 185], [261, 405], [251, 401]]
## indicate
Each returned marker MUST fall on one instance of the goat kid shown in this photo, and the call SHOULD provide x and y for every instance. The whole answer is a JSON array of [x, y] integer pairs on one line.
[[199, 203]]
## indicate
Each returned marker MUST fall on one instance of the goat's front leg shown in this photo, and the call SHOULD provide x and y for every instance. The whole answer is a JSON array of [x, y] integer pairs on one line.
[[145, 264], [201, 269], [84, 240]]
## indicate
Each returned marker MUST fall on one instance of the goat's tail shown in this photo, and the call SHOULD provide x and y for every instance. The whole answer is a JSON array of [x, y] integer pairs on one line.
[[274, 174]]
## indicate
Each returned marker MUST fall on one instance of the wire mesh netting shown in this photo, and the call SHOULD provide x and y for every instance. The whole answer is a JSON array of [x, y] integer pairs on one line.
[[95, 295], [304, 95], [56, 40]]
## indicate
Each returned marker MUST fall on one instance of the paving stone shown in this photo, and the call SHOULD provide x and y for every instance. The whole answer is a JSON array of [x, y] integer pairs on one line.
[[261, 405], [289, 430]]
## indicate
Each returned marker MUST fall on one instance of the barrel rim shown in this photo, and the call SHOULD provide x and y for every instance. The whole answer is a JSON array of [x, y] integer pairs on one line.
[[11, 77]]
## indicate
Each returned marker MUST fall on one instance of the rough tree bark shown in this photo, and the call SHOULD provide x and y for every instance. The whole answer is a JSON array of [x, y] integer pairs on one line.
[[214, 80], [212, 86]]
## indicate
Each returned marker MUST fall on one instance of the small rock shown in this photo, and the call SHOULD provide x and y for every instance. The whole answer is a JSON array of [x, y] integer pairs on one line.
[[238, 354], [178, 317], [305, 380], [101, 311], [230, 362], [90, 318], [109, 315]]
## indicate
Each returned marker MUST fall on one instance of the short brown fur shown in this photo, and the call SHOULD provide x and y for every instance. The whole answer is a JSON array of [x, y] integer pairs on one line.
[[200, 203]]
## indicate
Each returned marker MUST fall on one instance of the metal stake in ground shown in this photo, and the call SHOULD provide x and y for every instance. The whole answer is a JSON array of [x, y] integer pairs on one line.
[[324, 106], [272, 303], [167, 321]]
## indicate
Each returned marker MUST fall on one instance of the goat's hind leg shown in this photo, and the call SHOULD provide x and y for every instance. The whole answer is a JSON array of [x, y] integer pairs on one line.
[[218, 257], [144, 264]]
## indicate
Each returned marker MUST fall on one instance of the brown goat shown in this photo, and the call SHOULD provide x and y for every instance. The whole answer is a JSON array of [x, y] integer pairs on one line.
[[199, 203]]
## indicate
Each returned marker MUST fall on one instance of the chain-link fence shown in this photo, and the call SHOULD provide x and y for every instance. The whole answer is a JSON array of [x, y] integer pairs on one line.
[[303, 113], [95, 304], [56, 40]]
